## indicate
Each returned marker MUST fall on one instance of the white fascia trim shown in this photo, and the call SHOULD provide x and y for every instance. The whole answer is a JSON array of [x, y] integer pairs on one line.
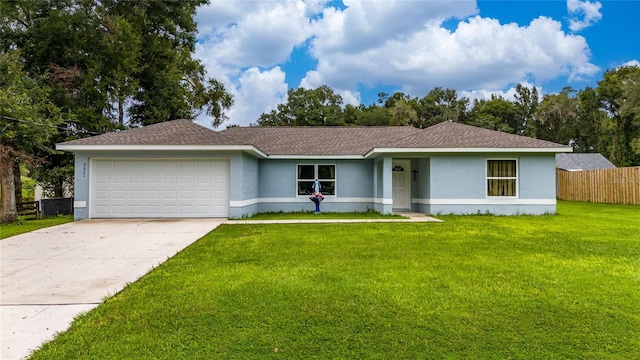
[[316, 157], [327, 199], [378, 151], [487, 201], [249, 148]]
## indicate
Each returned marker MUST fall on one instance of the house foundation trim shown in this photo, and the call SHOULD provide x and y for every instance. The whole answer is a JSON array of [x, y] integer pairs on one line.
[[489, 201]]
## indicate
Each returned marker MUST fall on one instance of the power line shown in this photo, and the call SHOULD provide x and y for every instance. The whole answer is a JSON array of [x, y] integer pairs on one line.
[[51, 126]]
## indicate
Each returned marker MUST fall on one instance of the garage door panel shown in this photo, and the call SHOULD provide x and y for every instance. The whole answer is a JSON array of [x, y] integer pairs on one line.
[[118, 210], [136, 210], [102, 194], [186, 195], [102, 179], [169, 179], [169, 195], [119, 165], [160, 188], [152, 195], [101, 210], [136, 195], [136, 179], [186, 180]]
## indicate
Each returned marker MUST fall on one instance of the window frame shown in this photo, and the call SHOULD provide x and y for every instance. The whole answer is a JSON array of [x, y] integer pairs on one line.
[[315, 176], [488, 178]]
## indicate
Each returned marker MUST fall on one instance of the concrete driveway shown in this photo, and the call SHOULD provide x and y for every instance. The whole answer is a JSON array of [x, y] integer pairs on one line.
[[49, 276]]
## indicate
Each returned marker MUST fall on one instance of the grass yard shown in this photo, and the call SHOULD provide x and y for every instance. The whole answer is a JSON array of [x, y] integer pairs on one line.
[[17, 228], [473, 287]]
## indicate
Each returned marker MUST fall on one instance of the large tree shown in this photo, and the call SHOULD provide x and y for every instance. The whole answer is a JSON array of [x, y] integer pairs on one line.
[[588, 129], [554, 115], [526, 103], [441, 105], [495, 114], [373, 116], [616, 93], [27, 120], [307, 107], [631, 109]]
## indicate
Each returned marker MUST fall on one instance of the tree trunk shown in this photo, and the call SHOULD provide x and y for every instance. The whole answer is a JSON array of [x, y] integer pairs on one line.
[[17, 181], [120, 111], [8, 212], [58, 188]]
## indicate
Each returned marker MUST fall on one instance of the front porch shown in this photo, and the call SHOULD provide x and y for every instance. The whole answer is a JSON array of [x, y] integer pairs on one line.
[[401, 184]]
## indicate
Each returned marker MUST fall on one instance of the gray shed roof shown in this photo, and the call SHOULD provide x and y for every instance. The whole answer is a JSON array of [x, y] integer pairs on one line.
[[316, 141], [575, 162]]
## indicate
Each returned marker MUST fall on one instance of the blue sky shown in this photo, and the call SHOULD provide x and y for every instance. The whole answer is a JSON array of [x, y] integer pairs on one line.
[[260, 49]]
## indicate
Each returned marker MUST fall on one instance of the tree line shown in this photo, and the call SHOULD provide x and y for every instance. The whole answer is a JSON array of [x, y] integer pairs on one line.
[[604, 119]]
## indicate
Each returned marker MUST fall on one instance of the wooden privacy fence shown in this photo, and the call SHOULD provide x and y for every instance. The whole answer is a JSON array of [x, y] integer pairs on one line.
[[612, 186]]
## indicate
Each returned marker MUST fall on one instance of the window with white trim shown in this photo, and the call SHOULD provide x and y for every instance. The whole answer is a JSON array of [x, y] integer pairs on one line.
[[502, 177], [307, 175]]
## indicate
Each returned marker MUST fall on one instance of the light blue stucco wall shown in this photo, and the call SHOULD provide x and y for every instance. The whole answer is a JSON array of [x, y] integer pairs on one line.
[[457, 177], [382, 193], [245, 179], [420, 189], [81, 186], [458, 185], [537, 177], [278, 187]]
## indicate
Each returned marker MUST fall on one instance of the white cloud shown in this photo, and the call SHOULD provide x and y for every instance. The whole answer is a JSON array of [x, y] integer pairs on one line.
[[254, 92], [252, 33], [583, 14], [258, 92], [370, 24], [480, 53], [486, 94], [631, 63], [399, 44]]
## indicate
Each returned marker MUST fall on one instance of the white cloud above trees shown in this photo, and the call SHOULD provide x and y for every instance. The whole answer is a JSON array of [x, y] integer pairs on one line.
[[400, 44]]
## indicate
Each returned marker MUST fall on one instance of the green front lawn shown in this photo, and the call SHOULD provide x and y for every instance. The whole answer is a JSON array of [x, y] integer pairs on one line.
[[17, 228], [473, 287]]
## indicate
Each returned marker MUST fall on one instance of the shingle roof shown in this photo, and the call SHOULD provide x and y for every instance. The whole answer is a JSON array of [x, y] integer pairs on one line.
[[318, 140], [591, 161], [455, 135], [175, 132]]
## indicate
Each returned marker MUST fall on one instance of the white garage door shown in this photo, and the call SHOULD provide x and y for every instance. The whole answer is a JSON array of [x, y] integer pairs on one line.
[[159, 188]]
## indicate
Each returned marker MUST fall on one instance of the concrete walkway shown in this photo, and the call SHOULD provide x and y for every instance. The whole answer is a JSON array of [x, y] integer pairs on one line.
[[409, 217], [49, 276]]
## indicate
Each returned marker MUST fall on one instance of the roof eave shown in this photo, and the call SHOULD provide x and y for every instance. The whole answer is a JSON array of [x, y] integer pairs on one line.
[[246, 148], [378, 151], [315, 157]]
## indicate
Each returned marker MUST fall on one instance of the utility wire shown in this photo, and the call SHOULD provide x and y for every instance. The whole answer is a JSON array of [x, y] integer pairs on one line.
[[48, 125]]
